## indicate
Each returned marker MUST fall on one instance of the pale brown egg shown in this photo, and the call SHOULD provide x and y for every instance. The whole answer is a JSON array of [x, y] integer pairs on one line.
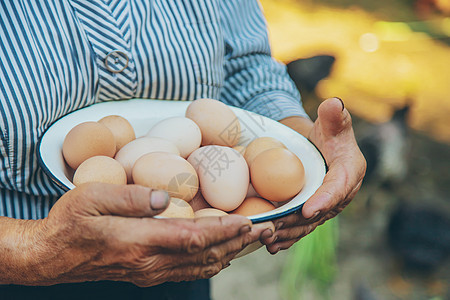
[[121, 129], [178, 208], [135, 149], [86, 140], [277, 174], [218, 123], [166, 171], [100, 169], [181, 131], [223, 175], [253, 206], [209, 212], [260, 145]]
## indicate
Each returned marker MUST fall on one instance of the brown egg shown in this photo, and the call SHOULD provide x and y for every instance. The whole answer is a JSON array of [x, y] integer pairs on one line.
[[86, 140], [209, 212], [121, 129], [277, 174], [218, 123], [100, 169], [182, 132], [223, 175], [260, 145], [166, 171], [135, 149], [178, 208], [253, 206]]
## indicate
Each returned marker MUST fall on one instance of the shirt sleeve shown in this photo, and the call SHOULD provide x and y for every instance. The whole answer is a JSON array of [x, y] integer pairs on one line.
[[253, 79]]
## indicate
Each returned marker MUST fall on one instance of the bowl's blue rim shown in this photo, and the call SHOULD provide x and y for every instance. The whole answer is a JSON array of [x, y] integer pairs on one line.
[[256, 220], [44, 166]]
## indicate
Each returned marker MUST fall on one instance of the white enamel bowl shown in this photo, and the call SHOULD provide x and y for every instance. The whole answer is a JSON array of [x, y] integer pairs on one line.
[[143, 114]]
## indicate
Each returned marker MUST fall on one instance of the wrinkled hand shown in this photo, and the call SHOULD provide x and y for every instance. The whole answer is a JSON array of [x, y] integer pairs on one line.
[[332, 133], [106, 232]]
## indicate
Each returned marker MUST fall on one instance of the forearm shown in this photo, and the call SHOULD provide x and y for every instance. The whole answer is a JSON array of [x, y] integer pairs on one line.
[[19, 250], [300, 124]]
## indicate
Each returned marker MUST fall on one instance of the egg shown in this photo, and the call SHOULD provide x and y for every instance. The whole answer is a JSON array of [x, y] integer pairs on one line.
[[166, 171], [218, 124], [209, 212], [223, 175], [121, 129], [253, 206], [135, 149], [277, 174], [181, 131], [86, 140], [260, 145], [100, 169], [178, 208]]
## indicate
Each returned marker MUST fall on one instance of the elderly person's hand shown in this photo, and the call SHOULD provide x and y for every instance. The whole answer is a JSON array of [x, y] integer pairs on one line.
[[333, 135], [106, 232]]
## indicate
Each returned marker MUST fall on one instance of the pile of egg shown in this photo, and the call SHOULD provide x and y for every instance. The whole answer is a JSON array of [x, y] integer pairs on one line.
[[195, 158]]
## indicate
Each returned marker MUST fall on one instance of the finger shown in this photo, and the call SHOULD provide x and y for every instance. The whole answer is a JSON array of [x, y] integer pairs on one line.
[[295, 219], [295, 232], [217, 253], [206, 271], [333, 117], [275, 248], [195, 235], [175, 274], [340, 185], [328, 195], [121, 200]]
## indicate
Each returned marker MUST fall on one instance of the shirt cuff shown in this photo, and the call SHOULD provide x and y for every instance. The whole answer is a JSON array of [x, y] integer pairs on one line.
[[276, 105]]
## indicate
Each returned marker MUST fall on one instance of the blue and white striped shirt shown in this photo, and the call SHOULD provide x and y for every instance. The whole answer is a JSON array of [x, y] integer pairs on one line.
[[52, 62]]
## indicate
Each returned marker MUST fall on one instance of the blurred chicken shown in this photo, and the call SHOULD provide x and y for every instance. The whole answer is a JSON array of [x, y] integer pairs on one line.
[[385, 147], [420, 236], [307, 72]]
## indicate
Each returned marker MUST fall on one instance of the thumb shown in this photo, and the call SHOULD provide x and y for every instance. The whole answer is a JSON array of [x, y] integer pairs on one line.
[[123, 200], [333, 117]]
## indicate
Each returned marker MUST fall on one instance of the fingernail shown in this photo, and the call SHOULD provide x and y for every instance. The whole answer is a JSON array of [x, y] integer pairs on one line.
[[275, 239], [276, 251], [279, 225], [267, 233], [159, 199], [342, 102], [245, 229]]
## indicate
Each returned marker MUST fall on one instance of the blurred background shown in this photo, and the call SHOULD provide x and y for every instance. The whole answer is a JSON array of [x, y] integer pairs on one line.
[[389, 60]]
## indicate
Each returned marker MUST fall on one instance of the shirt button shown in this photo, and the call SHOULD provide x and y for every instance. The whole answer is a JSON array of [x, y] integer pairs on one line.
[[116, 61]]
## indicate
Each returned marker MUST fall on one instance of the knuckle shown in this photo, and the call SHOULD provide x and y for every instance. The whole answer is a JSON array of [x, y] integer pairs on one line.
[[210, 271], [193, 240], [212, 256], [127, 197]]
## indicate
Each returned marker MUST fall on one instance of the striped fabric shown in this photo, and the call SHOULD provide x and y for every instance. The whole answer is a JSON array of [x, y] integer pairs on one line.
[[52, 62]]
